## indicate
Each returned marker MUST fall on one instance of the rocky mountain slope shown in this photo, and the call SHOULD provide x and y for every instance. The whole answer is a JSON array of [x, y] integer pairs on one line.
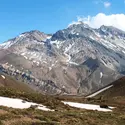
[[75, 60]]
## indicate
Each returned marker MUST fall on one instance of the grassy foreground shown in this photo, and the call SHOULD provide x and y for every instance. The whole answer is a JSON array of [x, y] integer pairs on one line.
[[63, 115]]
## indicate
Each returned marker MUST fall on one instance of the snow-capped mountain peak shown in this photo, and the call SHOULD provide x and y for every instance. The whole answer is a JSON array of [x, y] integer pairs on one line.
[[77, 60], [33, 35]]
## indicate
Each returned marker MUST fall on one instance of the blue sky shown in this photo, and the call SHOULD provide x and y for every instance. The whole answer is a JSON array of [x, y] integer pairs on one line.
[[17, 16]]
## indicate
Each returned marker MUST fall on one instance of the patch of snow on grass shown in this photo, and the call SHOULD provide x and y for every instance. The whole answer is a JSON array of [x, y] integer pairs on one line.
[[20, 104], [88, 106], [3, 76]]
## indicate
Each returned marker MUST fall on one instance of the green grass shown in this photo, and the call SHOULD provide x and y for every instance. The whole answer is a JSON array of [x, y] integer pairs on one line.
[[63, 115], [67, 117], [49, 101]]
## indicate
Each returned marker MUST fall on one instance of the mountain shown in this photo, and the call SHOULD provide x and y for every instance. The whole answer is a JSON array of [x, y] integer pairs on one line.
[[76, 60]]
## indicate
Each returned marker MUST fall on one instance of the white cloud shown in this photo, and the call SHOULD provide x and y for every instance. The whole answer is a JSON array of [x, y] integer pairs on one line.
[[107, 4], [116, 20]]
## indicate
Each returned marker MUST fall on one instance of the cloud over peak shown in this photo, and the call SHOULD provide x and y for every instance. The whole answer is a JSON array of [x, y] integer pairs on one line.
[[116, 20]]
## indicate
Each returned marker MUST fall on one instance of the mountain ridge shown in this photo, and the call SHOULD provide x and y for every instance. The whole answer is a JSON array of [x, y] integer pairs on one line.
[[68, 58]]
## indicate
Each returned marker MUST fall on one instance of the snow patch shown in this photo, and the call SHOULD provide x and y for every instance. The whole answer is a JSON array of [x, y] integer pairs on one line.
[[57, 42], [68, 56], [20, 104], [92, 38], [6, 45], [68, 48], [49, 37], [96, 93], [38, 63], [44, 62], [50, 68], [73, 63], [22, 54], [21, 35], [101, 74], [25, 57], [3, 76], [87, 106]]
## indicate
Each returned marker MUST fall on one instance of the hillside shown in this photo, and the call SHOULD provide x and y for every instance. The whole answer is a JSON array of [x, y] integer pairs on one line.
[[78, 112], [9, 82], [117, 90], [63, 114]]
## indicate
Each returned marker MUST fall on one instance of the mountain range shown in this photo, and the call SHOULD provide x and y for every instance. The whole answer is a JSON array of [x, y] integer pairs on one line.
[[78, 60]]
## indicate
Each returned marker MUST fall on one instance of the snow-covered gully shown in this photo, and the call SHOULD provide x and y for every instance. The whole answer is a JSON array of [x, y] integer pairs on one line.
[[88, 106], [96, 93], [20, 104]]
